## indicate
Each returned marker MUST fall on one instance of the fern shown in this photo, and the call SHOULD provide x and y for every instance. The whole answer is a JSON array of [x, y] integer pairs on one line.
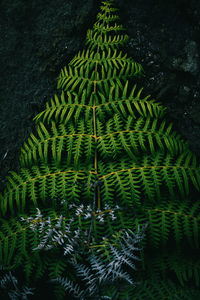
[[9, 284], [101, 143], [98, 273], [157, 289]]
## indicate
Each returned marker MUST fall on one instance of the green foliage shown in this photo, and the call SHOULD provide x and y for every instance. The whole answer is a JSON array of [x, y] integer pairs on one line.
[[98, 272], [101, 142], [9, 287], [158, 289]]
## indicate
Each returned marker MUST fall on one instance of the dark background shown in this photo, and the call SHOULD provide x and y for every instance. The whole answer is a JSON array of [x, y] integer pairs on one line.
[[39, 37]]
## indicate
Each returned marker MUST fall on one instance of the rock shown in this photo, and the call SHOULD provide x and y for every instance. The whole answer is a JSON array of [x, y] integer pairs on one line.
[[184, 92], [188, 59], [195, 114]]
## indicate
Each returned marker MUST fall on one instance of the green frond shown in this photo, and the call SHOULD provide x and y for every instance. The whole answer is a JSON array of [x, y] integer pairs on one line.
[[175, 220], [120, 100], [113, 100], [75, 79], [154, 289], [108, 9], [62, 109], [160, 289], [146, 177], [104, 41], [48, 146], [106, 28], [104, 35], [40, 183], [57, 267], [107, 17], [135, 136], [108, 3], [185, 269], [16, 242], [109, 59]]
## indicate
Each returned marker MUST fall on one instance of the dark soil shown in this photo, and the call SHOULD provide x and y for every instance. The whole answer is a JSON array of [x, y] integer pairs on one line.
[[38, 37]]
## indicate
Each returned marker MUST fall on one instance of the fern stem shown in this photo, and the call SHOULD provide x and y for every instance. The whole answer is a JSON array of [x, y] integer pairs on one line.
[[95, 134]]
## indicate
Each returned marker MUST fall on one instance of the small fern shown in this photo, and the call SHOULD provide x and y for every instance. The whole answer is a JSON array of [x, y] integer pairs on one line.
[[98, 274], [9, 286]]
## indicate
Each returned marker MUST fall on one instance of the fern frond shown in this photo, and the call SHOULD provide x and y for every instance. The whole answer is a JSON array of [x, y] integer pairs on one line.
[[69, 285], [10, 283], [109, 59], [157, 289], [39, 182], [106, 28], [113, 100], [57, 267], [99, 273], [75, 79], [63, 109], [16, 243], [135, 136], [105, 41], [151, 172], [185, 269], [176, 219], [51, 145]]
